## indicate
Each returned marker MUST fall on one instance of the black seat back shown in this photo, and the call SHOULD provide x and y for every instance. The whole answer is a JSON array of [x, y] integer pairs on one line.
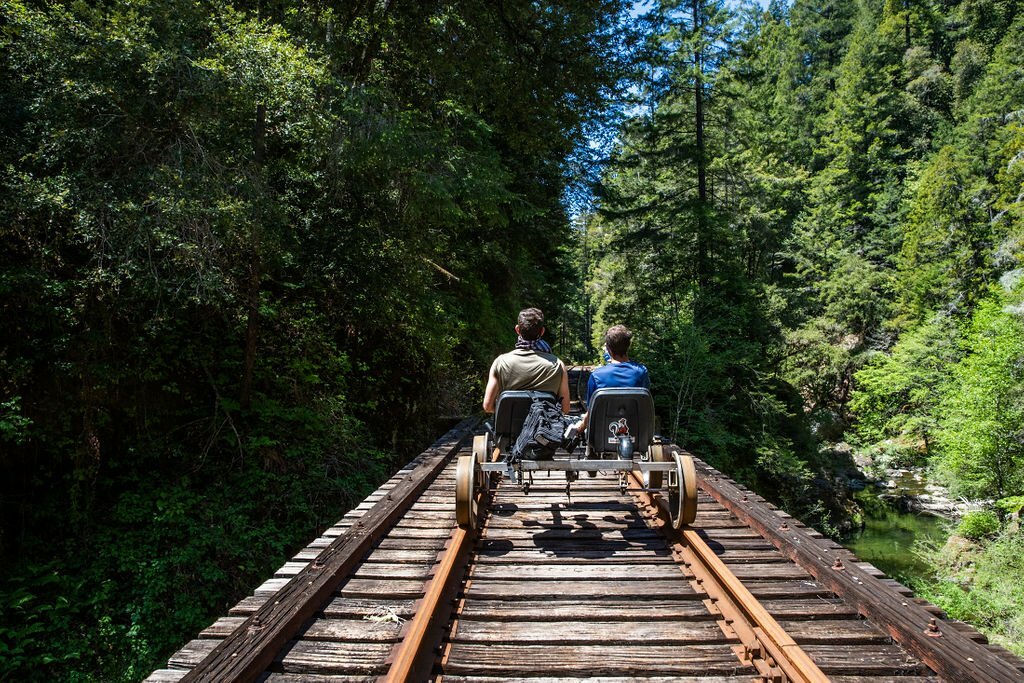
[[614, 409], [578, 376], [511, 411]]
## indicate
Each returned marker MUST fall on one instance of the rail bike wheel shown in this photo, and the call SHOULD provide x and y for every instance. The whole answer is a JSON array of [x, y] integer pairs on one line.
[[468, 479], [480, 448], [658, 454], [682, 495]]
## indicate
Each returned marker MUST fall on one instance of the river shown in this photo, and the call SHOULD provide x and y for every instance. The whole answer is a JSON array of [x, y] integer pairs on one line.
[[888, 538]]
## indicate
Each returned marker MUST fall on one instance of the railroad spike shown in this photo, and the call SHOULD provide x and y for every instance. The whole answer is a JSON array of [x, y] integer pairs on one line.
[[256, 626]]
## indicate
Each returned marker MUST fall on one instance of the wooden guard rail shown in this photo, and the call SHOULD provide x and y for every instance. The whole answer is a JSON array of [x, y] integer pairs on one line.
[[950, 654], [247, 652]]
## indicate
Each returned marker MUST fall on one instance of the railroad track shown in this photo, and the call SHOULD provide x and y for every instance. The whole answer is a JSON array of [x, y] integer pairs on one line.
[[596, 585]]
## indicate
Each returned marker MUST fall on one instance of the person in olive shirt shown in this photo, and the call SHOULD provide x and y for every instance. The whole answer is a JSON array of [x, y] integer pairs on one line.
[[530, 366]]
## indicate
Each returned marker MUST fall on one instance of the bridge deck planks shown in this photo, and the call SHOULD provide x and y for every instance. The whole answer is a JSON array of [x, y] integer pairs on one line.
[[539, 611], [517, 660], [601, 593], [519, 557], [326, 657], [582, 629], [566, 590]]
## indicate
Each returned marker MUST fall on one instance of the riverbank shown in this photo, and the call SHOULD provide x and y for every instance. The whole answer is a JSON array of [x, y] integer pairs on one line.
[[900, 511], [908, 488], [914, 531]]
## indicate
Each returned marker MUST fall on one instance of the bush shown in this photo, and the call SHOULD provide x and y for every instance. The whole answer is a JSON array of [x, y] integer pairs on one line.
[[980, 583], [892, 454], [1011, 505], [176, 538], [978, 525]]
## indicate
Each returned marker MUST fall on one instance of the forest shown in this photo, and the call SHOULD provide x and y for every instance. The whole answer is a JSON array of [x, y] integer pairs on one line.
[[253, 257]]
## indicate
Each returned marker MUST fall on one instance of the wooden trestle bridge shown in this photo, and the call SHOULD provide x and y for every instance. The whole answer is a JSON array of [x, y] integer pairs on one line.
[[597, 585]]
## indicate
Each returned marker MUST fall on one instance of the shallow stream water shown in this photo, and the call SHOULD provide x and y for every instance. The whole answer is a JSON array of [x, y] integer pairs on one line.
[[888, 538]]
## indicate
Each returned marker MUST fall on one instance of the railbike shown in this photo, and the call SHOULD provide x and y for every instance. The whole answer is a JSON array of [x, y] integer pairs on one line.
[[620, 438]]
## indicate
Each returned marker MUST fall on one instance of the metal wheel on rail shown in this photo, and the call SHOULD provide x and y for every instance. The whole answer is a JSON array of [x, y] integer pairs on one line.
[[469, 481], [682, 492], [480, 448], [657, 453]]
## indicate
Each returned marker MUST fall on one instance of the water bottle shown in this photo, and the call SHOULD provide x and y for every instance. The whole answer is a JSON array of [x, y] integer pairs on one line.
[[625, 447], [570, 432]]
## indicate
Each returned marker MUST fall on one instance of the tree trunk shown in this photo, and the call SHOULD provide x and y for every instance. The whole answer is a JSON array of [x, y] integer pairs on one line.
[[251, 332], [369, 53], [703, 268], [253, 298]]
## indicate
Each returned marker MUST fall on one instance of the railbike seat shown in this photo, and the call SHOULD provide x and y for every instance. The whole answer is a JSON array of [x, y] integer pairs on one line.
[[511, 411], [616, 412]]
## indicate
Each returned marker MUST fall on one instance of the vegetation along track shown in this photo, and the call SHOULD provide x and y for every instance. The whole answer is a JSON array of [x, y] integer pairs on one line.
[[594, 584]]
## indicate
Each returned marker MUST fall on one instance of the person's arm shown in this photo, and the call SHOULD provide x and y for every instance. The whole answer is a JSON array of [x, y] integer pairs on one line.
[[491, 392], [563, 391], [591, 388]]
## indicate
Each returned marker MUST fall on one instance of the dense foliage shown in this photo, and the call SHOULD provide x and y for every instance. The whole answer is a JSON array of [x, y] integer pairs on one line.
[[694, 213], [817, 211], [249, 254], [978, 579]]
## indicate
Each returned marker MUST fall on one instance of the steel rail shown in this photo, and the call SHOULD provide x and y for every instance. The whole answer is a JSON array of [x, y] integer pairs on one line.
[[766, 645], [409, 658], [408, 661]]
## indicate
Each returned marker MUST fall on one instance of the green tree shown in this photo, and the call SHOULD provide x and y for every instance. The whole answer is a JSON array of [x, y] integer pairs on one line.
[[242, 249], [687, 241], [819, 34], [942, 257], [897, 393], [981, 417]]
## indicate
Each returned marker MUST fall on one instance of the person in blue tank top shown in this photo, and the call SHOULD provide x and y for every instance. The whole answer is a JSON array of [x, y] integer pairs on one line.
[[619, 370]]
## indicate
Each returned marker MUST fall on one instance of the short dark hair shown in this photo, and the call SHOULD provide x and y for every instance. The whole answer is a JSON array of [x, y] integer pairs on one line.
[[531, 323], [617, 339]]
